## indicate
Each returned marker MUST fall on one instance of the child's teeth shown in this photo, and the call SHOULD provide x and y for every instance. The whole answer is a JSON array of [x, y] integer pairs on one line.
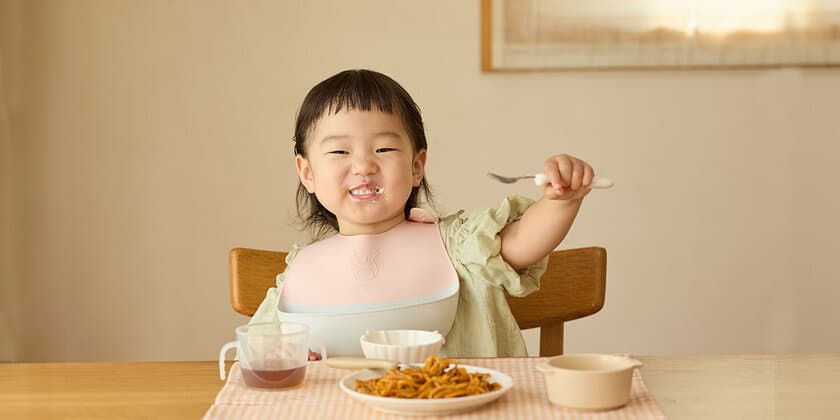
[[367, 191]]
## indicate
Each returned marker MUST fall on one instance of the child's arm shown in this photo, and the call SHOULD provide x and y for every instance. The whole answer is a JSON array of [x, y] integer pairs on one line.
[[544, 225]]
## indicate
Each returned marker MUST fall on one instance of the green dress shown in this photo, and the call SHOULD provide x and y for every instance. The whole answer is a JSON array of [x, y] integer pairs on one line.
[[484, 325]]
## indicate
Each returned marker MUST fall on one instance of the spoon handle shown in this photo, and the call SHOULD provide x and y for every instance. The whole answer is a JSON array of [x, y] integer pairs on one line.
[[542, 179]]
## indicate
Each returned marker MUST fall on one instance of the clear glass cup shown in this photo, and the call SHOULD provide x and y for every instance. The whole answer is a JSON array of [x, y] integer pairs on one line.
[[272, 355]]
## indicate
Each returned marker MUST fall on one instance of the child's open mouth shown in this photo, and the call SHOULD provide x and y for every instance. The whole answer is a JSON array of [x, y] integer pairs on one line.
[[366, 191]]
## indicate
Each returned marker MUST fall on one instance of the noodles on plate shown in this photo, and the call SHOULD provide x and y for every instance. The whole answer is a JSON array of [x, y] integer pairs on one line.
[[433, 380]]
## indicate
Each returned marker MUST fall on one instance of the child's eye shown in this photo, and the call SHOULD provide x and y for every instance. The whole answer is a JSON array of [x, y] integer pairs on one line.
[[338, 152], [385, 149]]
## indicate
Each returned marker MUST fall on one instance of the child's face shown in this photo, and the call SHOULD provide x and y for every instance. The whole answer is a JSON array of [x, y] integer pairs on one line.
[[361, 165]]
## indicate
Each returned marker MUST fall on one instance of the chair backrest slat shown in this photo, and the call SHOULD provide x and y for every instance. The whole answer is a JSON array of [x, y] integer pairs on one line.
[[573, 286], [252, 273]]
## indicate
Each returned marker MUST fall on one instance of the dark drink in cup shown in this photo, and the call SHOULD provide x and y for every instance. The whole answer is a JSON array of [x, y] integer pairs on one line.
[[272, 355], [274, 378]]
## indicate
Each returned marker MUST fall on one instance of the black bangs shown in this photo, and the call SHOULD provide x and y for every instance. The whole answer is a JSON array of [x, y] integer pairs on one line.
[[364, 90], [357, 90]]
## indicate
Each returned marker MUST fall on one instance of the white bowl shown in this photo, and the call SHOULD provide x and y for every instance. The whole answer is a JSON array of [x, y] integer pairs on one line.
[[340, 332], [589, 381], [403, 346]]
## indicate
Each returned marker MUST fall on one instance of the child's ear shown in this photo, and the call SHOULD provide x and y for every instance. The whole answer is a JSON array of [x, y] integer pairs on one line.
[[304, 170], [418, 168]]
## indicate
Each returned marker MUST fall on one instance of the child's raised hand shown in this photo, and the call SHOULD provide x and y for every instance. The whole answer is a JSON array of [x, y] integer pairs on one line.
[[569, 178]]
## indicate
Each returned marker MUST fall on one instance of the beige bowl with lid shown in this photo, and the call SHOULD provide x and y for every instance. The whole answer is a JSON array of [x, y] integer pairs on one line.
[[589, 381]]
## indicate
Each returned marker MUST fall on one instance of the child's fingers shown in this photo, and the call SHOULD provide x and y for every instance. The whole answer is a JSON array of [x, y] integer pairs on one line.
[[553, 174], [577, 175], [555, 193], [588, 175], [567, 176], [565, 167]]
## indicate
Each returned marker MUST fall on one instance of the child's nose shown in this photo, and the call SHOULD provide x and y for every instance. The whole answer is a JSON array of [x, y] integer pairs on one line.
[[364, 165]]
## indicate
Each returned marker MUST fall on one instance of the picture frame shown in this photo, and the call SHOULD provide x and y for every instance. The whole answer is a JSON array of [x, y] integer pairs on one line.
[[574, 35]]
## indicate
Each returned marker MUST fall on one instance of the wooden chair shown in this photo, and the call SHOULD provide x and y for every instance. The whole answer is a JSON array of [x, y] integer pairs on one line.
[[572, 287]]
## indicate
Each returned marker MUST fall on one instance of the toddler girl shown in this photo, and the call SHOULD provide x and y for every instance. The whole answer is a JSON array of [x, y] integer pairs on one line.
[[360, 151]]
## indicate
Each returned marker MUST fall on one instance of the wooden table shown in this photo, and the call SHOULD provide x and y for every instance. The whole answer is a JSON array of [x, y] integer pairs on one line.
[[136, 390], [799, 386]]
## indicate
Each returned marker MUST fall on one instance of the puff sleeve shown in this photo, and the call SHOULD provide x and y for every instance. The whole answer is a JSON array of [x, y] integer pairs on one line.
[[473, 242], [267, 311]]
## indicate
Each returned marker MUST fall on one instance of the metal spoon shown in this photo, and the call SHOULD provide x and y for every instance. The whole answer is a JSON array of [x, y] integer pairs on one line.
[[542, 179]]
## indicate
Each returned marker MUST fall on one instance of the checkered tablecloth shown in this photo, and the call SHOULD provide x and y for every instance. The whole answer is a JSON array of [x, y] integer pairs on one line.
[[321, 398]]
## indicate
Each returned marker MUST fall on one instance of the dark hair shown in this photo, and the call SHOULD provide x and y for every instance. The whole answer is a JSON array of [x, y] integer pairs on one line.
[[363, 90]]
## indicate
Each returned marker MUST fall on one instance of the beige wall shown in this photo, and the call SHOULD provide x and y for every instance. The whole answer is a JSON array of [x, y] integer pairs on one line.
[[143, 139]]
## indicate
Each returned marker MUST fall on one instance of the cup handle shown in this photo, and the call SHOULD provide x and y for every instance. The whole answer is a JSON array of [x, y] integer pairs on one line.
[[222, 352], [321, 347]]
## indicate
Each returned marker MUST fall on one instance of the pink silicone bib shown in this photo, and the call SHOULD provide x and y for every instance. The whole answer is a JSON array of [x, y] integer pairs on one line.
[[405, 265]]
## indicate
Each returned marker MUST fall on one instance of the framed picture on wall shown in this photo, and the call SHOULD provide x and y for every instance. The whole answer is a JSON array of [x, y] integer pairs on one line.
[[533, 35]]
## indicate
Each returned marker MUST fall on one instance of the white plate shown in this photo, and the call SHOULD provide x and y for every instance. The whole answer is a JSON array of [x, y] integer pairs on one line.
[[426, 407]]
